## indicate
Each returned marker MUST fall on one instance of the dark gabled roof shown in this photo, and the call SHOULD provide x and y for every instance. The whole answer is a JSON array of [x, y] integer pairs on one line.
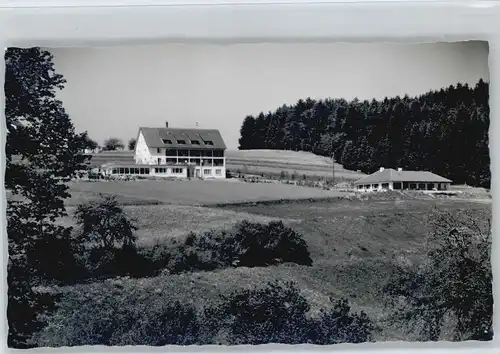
[[170, 137], [391, 175]]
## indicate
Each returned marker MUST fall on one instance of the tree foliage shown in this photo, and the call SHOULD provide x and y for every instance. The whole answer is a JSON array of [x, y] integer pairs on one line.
[[113, 144], [92, 144], [131, 144], [454, 283], [443, 131], [43, 151], [105, 224]]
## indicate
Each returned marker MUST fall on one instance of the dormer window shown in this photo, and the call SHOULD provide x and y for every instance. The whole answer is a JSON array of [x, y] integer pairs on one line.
[[166, 141], [182, 142], [209, 142], [195, 142]]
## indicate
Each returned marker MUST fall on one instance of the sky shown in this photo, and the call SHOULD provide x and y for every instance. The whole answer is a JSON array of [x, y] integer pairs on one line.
[[112, 91]]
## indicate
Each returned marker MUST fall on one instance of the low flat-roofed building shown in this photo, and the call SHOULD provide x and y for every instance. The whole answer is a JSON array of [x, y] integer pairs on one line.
[[392, 179]]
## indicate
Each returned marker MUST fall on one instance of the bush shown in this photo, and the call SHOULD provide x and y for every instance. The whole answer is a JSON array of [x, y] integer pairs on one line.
[[338, 325], [455, 282], [248, 244], [125, 313], [126, 261], [273, 314], [103, 320]]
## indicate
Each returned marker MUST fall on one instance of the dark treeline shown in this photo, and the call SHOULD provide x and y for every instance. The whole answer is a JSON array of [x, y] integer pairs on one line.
[[443, 131]]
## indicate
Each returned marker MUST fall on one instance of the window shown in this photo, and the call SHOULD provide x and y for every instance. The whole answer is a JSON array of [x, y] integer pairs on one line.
[[209, 142], [122, 171], [207, 171], [171, 161], [218, 172], [177, 170], [421, 186], [158, 150], [159, 160], [397, 185], [195, 142], [181, 142], [166, 141], [114, 171], [160, 170], [385, 185], [127, 171], [218, 153]]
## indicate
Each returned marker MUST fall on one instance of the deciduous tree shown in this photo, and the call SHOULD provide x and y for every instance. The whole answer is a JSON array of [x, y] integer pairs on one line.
[[43, 152], [113, 144]]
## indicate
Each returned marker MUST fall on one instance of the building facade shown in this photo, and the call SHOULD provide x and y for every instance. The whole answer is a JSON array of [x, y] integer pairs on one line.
[[391, 179], [177, 153]]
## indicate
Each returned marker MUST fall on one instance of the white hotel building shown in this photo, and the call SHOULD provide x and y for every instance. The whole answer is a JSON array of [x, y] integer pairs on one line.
[[175, 152]]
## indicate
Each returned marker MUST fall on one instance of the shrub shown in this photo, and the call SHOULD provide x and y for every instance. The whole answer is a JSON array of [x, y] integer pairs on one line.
[[338, 325], [126, 313], [125, 261], [273, 314], [248, 244], [454, 282], [99, 318]]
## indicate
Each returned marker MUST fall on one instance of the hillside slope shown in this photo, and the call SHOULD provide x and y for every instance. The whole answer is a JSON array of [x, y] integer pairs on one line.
[[355, 246]]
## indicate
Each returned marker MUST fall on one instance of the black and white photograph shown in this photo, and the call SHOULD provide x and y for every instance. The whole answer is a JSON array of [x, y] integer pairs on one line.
[[246, 194]]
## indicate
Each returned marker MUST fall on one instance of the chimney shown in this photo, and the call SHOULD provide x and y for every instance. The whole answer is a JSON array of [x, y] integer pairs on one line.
[[166, 124], [381, 169], [400, 169]]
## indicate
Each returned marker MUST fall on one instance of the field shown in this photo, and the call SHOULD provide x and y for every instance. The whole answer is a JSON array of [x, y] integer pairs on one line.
[[194, 192], [354, 243], [268, 162], [355, 240]]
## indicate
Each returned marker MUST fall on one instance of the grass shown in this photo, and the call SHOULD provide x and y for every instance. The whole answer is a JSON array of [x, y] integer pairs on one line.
[[194, 192], [158, 223], [354, 244], [279, 156]]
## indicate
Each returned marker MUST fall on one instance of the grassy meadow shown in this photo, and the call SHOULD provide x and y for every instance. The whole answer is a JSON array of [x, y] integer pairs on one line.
[[355, 243]]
